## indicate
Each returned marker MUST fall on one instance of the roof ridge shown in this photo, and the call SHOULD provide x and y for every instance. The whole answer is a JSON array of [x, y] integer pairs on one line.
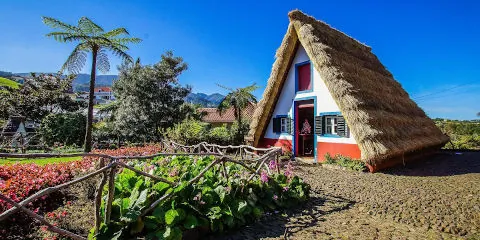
[[301, 16]]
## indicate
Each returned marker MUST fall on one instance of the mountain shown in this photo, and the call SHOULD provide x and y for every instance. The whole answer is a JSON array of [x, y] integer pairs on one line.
[[205, 100], [82, 81]]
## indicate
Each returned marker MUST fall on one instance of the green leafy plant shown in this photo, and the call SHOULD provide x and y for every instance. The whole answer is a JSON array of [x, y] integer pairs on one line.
[[346, 162], [214, 202]]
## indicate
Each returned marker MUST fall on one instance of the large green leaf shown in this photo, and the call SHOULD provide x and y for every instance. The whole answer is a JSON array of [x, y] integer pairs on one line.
[[190, 222], [172, 233], [160, 187], [242, 206], [221, 192], [173, 216]]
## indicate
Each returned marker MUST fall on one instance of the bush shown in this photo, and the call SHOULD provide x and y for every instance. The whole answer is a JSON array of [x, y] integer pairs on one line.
[[219, 135], [463, 134], [65, 128], [190, 132], [346, 162], [239, 132], [214, 202]]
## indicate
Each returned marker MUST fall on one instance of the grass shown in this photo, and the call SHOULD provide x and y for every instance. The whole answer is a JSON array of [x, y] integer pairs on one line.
[[9, 83], [39, 161]]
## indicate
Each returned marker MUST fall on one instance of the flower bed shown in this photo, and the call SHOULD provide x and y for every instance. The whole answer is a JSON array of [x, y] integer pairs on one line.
[[19, 181], [213, 204]]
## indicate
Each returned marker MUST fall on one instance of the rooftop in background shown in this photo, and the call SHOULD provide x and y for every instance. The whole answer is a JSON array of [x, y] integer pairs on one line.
[[103, 89], [213, 116]]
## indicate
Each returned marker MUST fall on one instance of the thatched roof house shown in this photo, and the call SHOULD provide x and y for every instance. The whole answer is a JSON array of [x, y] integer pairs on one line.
[[371, 109]]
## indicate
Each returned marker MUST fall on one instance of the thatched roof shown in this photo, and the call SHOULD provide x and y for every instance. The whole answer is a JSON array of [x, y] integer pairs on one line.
[[385, 122]]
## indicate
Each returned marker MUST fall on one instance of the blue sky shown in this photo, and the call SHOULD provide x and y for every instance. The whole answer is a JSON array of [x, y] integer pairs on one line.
[[431, 47]]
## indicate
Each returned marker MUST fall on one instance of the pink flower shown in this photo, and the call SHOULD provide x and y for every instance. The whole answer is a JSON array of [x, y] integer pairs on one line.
[[197, 197], [289, 171], [264, 176], [285, 189], [275, 197], [272, 165]]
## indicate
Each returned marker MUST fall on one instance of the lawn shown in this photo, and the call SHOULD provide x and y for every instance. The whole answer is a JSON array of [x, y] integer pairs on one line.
[[39, 161], [8, 83]]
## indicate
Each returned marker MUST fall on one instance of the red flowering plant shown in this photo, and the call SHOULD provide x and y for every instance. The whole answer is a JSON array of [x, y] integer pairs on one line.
[[19, 181]]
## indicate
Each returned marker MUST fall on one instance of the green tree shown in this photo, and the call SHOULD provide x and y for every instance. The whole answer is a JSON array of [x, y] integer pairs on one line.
[[238, 99], [39, 96], [149, 98], [65, 128], [91, 38]]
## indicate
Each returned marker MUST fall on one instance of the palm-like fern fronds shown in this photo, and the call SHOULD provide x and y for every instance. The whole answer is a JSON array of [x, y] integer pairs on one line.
[[238, 99], [54, 23], [91, 38]]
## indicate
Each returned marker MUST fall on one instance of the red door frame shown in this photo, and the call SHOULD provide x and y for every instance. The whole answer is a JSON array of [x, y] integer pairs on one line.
[[297, 123]]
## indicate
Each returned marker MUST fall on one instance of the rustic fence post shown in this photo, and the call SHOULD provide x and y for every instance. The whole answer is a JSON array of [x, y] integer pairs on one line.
[[98, 197], [225, 175], [277, 163], [111, 193]]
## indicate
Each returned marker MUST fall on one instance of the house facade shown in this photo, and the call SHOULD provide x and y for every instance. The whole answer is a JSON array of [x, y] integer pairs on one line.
[[103, 94], [306, 119], [329, 94]]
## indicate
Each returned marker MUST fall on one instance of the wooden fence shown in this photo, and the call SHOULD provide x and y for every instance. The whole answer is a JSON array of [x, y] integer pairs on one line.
[[252, 159]]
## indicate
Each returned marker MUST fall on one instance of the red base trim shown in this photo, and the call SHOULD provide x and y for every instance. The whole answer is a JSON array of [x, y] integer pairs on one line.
[[286, 145], [344, 149]]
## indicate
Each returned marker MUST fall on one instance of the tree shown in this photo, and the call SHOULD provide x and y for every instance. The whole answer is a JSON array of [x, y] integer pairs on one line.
[[91, 38], [38, 97], [65, 128], [238, 99], [149, 98]]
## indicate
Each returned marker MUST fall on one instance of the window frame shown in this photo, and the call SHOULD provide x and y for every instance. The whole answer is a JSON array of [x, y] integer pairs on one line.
[[283, 125], [297, 77], [331, 124]]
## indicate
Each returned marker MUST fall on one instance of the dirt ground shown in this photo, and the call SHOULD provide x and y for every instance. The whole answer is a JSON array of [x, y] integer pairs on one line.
[[438, 198]]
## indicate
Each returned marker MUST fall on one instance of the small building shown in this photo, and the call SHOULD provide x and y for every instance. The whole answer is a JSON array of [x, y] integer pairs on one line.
[[328, 93], [103, 95], [213, 116]]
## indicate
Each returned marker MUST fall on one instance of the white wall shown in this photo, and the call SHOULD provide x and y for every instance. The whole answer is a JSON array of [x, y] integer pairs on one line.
[[285, 104]]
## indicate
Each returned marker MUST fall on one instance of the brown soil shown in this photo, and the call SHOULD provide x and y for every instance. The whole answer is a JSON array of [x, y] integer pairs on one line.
[[434, 199]]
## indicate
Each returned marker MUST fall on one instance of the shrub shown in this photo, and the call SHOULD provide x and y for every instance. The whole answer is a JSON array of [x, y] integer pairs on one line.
[[463, 134], [346, 162], [214, 202], [239, 132], [65, 128], [219, 135], [188, 132]]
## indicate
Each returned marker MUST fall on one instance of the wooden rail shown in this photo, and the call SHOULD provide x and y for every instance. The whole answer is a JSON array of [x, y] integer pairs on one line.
[[240, 155]]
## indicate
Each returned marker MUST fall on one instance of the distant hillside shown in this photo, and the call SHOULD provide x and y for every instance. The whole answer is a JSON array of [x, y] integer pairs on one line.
[[205, 100], [81, 83], [8, 83]]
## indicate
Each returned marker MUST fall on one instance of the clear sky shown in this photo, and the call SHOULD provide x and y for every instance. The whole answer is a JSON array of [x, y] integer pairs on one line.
[[431, 47]]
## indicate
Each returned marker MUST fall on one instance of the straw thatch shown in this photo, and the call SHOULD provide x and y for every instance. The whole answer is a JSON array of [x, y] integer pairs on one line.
[[385, 122]]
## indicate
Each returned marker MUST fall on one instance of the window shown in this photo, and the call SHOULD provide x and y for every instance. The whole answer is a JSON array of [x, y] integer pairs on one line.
[[331, 125], [304, 81], [283, 125]]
